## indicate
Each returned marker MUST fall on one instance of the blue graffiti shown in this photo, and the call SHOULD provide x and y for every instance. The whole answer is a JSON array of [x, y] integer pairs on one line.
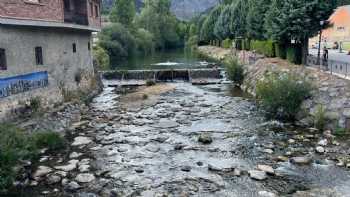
[[23, 83]]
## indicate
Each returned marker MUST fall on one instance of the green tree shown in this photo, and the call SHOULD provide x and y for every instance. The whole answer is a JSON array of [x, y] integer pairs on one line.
[[238, 27], [123, 12], [207, 30], [222, 25], [256, 18]]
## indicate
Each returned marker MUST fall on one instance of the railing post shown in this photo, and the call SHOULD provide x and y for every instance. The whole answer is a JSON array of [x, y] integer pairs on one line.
[[346, 70]]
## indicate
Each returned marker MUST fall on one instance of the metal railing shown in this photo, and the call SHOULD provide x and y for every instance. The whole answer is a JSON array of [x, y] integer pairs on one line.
[[331, 66]]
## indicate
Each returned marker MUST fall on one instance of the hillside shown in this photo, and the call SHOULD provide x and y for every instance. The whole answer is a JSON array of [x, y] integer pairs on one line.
[[183, 9]]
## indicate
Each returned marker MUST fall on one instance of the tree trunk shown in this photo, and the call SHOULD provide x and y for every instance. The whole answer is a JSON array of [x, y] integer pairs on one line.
[[305, 50]]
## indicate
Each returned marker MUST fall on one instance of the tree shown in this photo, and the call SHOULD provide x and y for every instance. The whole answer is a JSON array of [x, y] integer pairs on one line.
[[123, 12], [222, 26], [239, 22], [207, 30], [256, 18]]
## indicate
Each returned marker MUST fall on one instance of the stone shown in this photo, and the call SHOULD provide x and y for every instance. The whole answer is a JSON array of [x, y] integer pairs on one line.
[[291, 141], [268, 151], [73, 186], [85, 178], [323, 142], [41, 171], [266, 194], [139, 170], [78, 141], [237, 172], [205, 139], [320, 149], [282, 158], [53, 179], [179, 147], [72, 164], [257, 175], [166, 124], [266, 168], [84, 168], [74, 155], [186, 168], [301, 160]]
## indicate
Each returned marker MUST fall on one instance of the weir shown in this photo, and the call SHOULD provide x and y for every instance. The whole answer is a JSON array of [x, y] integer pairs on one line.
[[139, 77]]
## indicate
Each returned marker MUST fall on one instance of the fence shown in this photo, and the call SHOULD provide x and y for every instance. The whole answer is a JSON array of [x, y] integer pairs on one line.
[[22, 83], [331, 66]]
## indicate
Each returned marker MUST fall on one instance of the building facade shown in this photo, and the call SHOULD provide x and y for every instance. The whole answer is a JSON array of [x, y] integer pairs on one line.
[[45, 50]]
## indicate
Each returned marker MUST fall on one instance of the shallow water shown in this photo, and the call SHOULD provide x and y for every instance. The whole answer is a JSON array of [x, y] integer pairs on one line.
[[150, 164]]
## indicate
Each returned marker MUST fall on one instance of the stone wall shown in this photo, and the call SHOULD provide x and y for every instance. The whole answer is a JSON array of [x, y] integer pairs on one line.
[[67, 71], [331, 92]]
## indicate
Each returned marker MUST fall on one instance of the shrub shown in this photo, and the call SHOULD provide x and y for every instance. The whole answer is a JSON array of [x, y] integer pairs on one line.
[[144, 96], [280, 50], [246, 44], [227, 43], [14, 146], [320, 118], [102, 58], [340, 132], [35, 104], [150, 83], [266, 48], [144, 41], [281, 95], [294, 54], [51, 140], [235, 71], [239, 44]]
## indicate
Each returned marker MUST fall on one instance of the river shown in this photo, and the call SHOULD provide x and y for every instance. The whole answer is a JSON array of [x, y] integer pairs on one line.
[[184, 140]]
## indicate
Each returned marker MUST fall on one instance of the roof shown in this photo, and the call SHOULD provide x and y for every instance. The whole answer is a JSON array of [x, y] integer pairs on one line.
[[36, 23]]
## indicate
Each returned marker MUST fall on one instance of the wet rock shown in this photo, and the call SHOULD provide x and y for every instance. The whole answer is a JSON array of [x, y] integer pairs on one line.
[[78, 141], [85, 178], [205, 139], [73, 186], [257, 175], [268, 151], [282, 158], [74, 155], [164, 124], [53, 179], [72, 164], [139, 170], [320, 149], [179, 147], [199, 163], [237, 172], [291, 141], [266, 168], [266, 194], [323, 142], [152, 148], [186, 168], [301, 160], [84, 168], [41, 171]]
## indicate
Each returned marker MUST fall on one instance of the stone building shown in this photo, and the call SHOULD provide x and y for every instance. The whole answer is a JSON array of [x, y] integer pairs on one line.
[[45, 50]]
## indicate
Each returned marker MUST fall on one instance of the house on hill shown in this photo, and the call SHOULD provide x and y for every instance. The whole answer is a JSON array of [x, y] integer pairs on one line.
[[339, 31], [45, 49]]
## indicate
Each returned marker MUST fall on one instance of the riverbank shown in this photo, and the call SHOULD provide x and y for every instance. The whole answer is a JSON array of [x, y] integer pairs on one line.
[[330, 92]]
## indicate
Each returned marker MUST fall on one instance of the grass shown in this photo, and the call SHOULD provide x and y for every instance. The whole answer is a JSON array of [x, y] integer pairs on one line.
[[16, 145], [320, 118]]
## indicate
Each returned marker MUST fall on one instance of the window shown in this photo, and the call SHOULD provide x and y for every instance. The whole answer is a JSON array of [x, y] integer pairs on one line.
[[74, 48], [39, 56], [340, 28], [96, 11], [89, 46], [33, 1], [3, 64]]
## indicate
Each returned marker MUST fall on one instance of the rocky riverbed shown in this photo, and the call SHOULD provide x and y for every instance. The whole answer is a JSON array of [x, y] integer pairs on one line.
[[185, 140]]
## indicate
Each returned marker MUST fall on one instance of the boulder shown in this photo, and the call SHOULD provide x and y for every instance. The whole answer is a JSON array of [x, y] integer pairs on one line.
[[85, 178], [266, 168], [301, 160], [205, 139], [257, 175], [81, 140]]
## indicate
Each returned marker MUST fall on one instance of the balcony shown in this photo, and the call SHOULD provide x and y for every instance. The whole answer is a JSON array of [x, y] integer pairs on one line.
[[75, 12]]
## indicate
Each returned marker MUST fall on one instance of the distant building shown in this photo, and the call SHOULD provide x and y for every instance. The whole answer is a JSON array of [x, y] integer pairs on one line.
[[340, 30], [45, 46]]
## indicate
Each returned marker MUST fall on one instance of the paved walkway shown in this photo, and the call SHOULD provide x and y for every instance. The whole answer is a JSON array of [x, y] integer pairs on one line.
[[333, 55]]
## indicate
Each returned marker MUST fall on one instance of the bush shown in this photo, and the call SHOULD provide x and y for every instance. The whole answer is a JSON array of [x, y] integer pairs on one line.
[[101, 57], [239, 44], [246, 44], [266, 48], [150, 83], [235, 71], [280, 51], [35, 104], [51, 140], [281, 95], [144, 41], [320, 118], [227, 43], [192, 43], [294, 54], [16, 146]]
